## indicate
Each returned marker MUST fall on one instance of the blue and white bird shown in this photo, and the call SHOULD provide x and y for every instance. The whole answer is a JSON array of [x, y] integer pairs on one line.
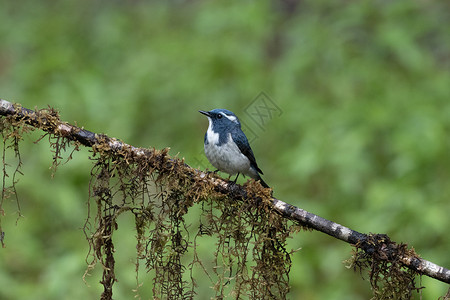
[[227, 147]]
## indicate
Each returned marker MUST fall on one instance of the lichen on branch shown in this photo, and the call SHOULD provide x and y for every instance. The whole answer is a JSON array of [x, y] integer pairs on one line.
[[249, 226]]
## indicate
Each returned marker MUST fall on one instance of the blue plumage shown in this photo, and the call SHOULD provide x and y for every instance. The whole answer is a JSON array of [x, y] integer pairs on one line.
[[227, 147]]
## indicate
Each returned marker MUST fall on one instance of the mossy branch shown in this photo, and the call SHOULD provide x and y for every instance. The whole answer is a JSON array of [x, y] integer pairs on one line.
[[373, 247]]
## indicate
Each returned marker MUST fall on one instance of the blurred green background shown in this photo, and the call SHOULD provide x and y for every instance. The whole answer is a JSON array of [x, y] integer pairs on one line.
[[361, 136]]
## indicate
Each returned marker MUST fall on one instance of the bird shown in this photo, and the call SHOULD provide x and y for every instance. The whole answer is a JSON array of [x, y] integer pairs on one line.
[[227, 147]]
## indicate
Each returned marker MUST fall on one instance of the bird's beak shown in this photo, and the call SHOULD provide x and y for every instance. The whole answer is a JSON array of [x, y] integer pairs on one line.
[[206, 113]]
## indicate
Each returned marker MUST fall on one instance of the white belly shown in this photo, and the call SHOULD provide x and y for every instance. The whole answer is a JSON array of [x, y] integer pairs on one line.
[[227, 157]]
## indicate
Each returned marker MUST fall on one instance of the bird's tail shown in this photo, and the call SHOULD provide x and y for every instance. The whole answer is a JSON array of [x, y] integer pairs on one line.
[[263, 183]]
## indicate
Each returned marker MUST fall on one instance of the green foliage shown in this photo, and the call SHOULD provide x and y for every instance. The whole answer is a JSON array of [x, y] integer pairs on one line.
[[363, 138]]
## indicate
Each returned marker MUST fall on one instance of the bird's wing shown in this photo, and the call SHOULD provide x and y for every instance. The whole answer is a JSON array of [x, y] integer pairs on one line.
[[241, 141]]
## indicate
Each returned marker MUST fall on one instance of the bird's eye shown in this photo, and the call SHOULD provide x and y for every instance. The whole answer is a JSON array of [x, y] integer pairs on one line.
[[219, 116]]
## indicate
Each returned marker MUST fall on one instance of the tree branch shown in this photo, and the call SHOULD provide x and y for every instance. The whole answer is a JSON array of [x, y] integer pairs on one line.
[[379, 245]]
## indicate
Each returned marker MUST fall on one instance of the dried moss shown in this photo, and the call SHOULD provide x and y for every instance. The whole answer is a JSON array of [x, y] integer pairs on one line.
[[158, 192], [250, 259], [11, 131], [389, 278]]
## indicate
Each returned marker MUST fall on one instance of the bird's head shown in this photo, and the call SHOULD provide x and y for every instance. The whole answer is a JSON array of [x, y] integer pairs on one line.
[[221, 119]]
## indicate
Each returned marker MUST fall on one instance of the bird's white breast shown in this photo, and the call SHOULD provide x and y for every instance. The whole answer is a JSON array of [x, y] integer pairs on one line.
[[226, 157], [211, 136]]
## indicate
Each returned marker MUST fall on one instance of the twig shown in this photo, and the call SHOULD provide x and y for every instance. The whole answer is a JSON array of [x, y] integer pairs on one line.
[[291, 212]]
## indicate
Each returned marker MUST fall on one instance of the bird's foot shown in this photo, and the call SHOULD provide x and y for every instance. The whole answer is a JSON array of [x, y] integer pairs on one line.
[[236, 177]]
